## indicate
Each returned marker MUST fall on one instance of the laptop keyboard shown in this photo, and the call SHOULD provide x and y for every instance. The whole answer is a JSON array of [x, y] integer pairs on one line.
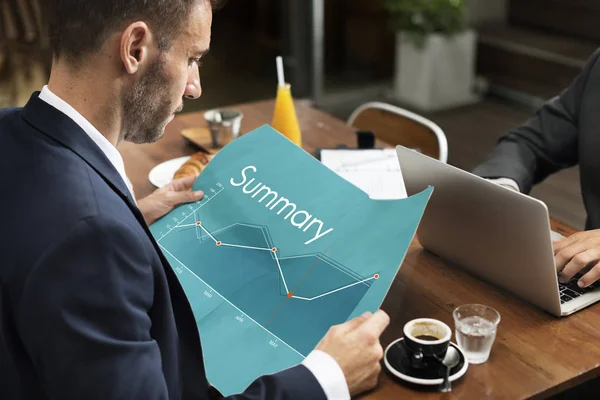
[[571, 291]]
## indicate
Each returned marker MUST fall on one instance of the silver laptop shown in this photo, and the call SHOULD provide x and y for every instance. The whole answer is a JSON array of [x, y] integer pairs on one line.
[[497, 234]]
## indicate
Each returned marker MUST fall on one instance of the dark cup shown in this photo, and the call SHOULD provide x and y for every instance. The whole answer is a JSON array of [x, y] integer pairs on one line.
[[365, 139], [426, 342]]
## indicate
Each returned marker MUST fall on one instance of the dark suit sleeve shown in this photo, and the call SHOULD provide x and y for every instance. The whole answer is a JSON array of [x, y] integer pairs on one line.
[[84, 317], [546, 143], [85, 324], [292, 384]]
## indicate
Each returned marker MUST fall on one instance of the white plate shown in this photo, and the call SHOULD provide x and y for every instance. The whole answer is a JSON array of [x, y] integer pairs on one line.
[[421, 381], [162, 174]]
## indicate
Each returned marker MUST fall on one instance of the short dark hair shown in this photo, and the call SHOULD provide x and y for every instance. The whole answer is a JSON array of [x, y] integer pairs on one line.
[[78, 27]]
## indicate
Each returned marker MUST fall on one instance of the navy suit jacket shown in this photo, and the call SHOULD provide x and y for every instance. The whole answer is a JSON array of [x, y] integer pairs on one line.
[[89, 306]]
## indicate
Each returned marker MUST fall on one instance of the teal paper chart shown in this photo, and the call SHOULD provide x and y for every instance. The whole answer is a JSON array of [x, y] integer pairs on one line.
[[279, 250]]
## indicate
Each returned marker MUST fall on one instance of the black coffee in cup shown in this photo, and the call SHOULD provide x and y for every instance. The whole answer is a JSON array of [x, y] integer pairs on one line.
[[426, 341], [428, 337]]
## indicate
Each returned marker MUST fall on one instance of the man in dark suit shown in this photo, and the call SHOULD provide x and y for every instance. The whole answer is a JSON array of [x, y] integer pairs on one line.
[[89, 307], [564, 132]]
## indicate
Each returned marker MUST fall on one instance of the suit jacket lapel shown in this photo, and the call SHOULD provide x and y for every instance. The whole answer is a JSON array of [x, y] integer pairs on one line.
[[62, 129], [56, 125]]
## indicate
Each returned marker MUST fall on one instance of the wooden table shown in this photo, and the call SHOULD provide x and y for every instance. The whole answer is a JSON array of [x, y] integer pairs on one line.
[[320, 131], [535, 355]]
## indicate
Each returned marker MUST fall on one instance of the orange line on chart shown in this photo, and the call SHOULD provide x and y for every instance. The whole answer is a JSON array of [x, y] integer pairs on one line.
[[276, 311], [291, 293]]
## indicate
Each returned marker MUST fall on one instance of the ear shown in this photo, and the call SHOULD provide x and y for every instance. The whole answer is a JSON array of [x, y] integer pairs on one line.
[[135, 44]]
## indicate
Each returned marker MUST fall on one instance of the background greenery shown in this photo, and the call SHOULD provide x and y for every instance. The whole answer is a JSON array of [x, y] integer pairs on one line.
[[420, 18]]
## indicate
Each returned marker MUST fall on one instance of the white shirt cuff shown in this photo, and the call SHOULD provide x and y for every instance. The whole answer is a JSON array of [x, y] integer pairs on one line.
[[506, 181], [329, 375]]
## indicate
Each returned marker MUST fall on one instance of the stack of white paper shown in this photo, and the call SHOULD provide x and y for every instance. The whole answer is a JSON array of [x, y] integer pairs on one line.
[[376, 172]]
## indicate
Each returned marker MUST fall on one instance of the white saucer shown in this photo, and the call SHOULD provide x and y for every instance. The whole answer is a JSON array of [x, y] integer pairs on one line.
[[404, 373], [162, 174]]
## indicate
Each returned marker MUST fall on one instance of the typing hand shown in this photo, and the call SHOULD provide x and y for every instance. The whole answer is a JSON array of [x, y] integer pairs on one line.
[[574, 253], [163, 200], [356, 348]]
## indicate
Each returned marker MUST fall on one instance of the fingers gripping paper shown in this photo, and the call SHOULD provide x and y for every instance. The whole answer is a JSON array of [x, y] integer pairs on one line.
[[280, 249]]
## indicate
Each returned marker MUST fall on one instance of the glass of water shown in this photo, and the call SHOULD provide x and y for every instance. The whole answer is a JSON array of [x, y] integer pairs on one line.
[[475, 328]]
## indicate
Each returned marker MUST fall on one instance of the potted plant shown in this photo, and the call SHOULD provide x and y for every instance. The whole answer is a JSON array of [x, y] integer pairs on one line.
[[435, 53]]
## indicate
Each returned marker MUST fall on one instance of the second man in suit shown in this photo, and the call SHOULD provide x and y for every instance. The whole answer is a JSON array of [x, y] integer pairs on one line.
[[563, 133]]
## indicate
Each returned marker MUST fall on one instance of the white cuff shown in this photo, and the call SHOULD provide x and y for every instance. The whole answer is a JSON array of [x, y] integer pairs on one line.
[[329, 375], [506, 181]]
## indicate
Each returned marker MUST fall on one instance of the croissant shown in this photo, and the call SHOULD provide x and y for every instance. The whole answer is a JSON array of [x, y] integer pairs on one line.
[[194, 166]]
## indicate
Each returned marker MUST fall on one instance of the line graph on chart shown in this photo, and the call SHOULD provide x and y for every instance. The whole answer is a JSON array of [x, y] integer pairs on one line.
[[291, 298]]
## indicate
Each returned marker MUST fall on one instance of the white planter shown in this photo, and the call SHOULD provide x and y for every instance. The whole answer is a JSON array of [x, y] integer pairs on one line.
[[438, 76]]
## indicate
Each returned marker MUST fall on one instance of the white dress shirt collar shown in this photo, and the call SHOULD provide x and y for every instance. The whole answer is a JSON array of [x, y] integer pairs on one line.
[[326, 370], [101, 141]]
